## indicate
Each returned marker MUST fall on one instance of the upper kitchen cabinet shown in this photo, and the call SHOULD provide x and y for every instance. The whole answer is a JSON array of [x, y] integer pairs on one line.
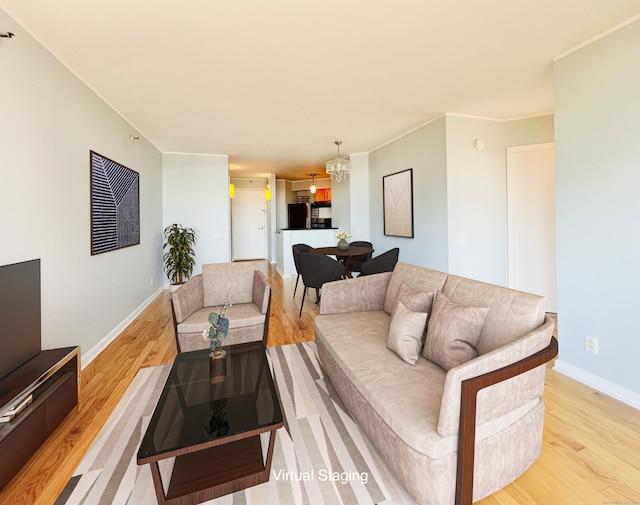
[[323, 195]]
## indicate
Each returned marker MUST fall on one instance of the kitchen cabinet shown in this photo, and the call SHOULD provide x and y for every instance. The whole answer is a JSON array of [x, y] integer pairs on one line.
[[323, 195]]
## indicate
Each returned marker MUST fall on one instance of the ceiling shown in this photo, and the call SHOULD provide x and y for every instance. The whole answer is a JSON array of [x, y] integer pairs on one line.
[[273, 84]]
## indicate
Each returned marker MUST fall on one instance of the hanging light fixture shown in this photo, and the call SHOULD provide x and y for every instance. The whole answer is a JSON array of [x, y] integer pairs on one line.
[[313, 184], [339, 167]]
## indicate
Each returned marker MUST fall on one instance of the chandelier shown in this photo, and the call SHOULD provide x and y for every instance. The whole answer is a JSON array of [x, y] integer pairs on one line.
[[339, 167]]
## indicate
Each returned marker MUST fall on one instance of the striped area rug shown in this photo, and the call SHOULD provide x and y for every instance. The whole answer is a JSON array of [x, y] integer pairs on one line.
[[320, 455]]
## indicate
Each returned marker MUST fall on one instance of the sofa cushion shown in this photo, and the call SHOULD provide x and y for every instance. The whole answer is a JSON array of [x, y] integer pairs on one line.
[[415, 301], [232, 281], [405, 333], [417, 278], [454, 332], [239, 315], [395, 389], [512, 314]]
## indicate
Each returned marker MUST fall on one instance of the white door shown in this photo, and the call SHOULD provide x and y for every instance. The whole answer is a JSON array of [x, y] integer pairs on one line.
[[248, 224], [532, 220]]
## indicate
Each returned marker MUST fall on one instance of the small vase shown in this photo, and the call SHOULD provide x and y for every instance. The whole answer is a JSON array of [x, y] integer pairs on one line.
[[343, 245], [217, 367]]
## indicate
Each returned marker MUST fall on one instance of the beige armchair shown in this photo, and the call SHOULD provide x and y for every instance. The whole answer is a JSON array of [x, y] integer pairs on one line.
[[243, 284]]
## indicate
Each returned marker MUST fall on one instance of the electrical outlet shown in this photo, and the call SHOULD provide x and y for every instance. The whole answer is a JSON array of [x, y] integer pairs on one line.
[[591, 344]]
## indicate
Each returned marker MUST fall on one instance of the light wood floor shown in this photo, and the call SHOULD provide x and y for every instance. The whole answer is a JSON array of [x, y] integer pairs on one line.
[[591, 447]]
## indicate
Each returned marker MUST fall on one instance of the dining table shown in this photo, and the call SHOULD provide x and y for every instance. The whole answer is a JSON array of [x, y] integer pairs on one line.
[[350, 253]]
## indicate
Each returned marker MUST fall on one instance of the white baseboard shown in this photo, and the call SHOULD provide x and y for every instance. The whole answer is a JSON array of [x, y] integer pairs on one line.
[[282, 274], [91, 354], [598, 383]]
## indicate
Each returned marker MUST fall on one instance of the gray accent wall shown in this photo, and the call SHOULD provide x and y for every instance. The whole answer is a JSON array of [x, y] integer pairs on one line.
[[597, 102], [460, 194], [50, 122], [424, 150], [477, 191], [196, 195]]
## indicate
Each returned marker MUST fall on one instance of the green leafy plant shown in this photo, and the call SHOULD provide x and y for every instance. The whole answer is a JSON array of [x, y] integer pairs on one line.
[[179, 256]]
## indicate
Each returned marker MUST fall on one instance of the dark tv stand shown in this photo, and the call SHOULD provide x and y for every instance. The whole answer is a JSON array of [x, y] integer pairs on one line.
[[51, 379]]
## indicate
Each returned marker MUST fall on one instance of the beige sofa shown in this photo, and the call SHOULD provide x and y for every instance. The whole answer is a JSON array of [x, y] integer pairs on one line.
[[244, 284], [412, 412]]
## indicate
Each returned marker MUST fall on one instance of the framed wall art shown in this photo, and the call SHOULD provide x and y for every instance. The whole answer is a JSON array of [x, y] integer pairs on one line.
[[397, 202], [115, 205]]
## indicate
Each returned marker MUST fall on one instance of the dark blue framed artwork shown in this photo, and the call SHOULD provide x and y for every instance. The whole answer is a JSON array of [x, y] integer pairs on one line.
[[115, 205]]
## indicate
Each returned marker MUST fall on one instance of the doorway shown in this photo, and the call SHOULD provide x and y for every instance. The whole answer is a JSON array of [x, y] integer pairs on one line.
[[248, 224], [531, 209]]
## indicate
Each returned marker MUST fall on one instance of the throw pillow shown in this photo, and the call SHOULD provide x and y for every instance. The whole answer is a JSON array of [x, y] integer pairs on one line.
[[405, 333], [454, 332], [415, 301]]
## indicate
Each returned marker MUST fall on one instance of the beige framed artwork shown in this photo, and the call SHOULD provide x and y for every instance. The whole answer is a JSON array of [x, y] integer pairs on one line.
[[397, 202]]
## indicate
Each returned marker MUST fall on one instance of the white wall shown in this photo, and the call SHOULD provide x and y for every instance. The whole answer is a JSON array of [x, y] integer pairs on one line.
[[196, 195], [50, 122], [598, 179], [272, 216]]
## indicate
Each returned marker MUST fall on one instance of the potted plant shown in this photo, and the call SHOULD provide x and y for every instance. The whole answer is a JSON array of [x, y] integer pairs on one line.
[[218, 331], [179, 257]]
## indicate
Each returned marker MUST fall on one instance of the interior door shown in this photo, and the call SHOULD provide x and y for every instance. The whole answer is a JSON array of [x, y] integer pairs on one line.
[[248, 224], [532, 220]]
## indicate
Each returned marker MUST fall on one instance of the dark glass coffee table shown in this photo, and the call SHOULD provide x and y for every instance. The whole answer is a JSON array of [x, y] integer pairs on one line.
[[213, 430]]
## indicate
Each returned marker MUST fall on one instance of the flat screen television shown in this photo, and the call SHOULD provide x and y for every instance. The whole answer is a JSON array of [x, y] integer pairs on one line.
[[20, 320]]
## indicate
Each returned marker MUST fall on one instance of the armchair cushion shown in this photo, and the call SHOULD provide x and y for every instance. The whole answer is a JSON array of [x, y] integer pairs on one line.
[[232, 281], [405, 333], [454, 332], [241, 315]]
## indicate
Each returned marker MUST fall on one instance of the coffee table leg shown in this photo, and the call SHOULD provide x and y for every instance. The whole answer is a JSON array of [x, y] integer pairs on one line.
[[272, 443], [157, 483]]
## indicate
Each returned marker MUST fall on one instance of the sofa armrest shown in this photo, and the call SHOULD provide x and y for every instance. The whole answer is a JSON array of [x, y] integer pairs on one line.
[[261, 291], [503, 397], [468, 403], [361, 294], [188, 298]]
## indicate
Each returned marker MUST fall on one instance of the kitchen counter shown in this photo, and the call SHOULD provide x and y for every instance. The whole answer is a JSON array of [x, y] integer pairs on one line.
[[306, 229], [287, 237]]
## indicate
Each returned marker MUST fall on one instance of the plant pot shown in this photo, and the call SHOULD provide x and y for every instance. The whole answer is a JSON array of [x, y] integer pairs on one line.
[[218, 367], [343, 245]]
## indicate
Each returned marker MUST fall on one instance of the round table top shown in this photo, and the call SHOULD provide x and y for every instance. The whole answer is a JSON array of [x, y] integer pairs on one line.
[[354, 250]]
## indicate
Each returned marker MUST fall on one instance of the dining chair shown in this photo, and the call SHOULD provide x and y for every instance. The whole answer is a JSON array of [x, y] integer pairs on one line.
[[297, 249], [357, 261], [316, 269], [385, 262]]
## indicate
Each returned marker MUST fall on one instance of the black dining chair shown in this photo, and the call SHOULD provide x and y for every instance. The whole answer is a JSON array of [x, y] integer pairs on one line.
[[386, 262], [297, 249], [316, 269], [357, 261]]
